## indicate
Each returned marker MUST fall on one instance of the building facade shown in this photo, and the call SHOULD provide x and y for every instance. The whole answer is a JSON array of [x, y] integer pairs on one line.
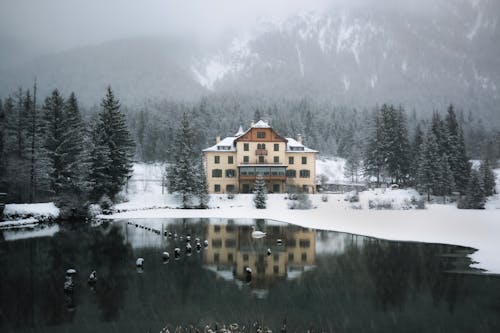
[[286, 165]]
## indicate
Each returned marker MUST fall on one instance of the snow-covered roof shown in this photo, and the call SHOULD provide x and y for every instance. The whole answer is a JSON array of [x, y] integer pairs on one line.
[[227, 144], [293, 146], [240, 132], [261, 124]]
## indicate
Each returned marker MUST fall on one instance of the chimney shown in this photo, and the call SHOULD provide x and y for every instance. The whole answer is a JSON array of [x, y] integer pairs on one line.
[[217, 139], [299, 138], [252, 123]]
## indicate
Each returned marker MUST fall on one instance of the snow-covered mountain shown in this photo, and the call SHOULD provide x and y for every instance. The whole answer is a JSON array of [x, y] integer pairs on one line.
[[423, 57]]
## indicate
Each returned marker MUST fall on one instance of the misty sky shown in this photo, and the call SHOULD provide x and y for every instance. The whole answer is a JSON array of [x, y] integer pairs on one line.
[[60, 24]]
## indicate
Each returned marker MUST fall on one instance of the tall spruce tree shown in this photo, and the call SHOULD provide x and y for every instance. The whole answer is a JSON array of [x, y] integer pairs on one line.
[[455, 150], [116, 137], [54, 138], [260, 193], [3, 155], [99, 161], [488, 177], [474, 196], [201, 190], [374, 157], [182, 173], [429, 163]]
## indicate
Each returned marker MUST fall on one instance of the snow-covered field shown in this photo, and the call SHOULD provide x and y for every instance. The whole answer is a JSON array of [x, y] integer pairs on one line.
[[33, 212], [479, 229]]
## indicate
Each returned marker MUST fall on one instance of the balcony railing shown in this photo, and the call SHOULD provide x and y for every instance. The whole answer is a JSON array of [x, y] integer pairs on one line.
[[259, 152]]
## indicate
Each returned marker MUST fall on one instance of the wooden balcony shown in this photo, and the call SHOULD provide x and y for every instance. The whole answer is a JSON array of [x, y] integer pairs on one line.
[[260, 152]]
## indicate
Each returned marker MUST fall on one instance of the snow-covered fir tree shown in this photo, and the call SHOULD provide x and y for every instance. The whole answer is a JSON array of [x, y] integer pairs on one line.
[[260, 193], [183, 176], [427, 178], [488, 177], [116, 136], [201, 189], [99, 161], [474, 196]]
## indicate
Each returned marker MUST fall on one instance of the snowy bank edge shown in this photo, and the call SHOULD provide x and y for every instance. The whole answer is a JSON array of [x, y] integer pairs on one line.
[[438, 224]]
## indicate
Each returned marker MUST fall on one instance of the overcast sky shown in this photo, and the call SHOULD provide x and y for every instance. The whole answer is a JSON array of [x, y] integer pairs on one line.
[[68, 23]]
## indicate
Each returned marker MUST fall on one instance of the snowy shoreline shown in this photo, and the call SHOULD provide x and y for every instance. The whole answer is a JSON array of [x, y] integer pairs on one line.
[[443, 224]]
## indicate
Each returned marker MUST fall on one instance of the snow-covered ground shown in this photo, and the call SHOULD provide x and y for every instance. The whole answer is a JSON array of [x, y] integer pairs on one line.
[[38, 211], [333, 168], [479, 229]]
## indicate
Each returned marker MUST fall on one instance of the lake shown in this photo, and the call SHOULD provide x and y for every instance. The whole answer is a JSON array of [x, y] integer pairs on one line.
[[294, 279]]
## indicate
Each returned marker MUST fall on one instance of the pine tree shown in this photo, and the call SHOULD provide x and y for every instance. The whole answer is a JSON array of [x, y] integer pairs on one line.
[[3, 155], [260, 193], [353, 165], [118, 141], [429, 163], [72, 147], [455, 150], [488, 177], [444, 178], [202, 185], [474, 195], [416, 148], [99, 177], [182, 172], [53, 139], [374, 157]]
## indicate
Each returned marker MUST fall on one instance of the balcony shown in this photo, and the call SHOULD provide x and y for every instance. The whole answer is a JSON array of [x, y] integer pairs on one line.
[[260, 152], [267, 172]]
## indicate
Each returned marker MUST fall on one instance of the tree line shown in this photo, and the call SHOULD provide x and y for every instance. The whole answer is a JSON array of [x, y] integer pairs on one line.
[[50, 152], [435, 160]]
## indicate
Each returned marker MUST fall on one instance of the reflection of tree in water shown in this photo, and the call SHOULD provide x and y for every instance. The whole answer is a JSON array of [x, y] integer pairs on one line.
[[402, 270], [110, 257]]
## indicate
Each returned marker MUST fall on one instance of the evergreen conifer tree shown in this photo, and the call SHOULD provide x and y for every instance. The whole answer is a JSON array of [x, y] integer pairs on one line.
[[488, 177], [260, 193], [118, 141], [474, 195], [99, 161], [429, 164], [374, 158], [182, 173], [53, 139], [201, 190]]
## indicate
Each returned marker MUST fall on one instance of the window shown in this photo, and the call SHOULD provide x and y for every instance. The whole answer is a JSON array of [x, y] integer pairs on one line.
[[216, 257], [245, 257], [230, 257], [261, 135], [217, 173], [304, 160], [290, 256], [261, 159], [230, 160], [230, 242], [217, 188], [216, 228], [216, 159], [276, 269], [304, 257], [291, 242], [291, 173], [245, 147], [276, 147], [245, 159], [217, 243], [305, 173], [261, 146], [276, 159], [304, 243], [276, 257], [230, 188], [230, 173], [290, 160]]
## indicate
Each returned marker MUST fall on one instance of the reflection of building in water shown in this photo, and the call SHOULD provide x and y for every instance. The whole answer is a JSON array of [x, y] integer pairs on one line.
[[232, 249]]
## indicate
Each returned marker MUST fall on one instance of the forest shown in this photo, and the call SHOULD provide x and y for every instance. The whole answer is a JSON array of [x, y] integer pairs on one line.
[[59, 149]]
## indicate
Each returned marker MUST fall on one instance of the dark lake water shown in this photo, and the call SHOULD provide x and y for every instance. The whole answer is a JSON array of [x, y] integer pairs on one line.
[[309, 280]]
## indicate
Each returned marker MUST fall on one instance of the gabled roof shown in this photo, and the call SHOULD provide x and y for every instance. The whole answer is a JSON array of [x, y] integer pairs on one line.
[[261, 124], [223, 144], [293, 146]]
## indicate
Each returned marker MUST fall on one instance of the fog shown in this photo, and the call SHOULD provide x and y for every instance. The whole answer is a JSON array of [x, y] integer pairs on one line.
[[60, 24]]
